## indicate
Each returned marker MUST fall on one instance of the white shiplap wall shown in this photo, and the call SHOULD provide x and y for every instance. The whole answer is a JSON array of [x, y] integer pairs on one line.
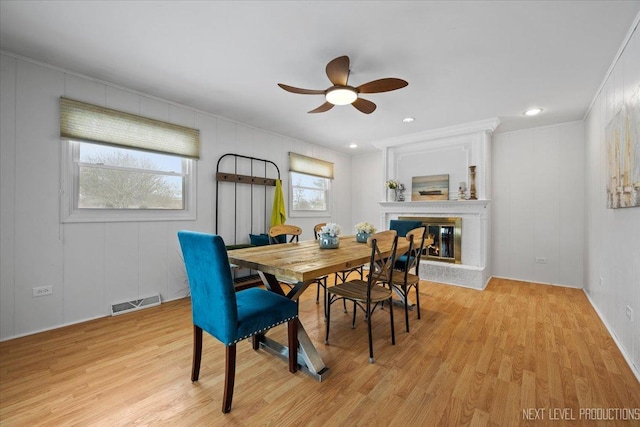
[[612, 274], [538, 204], [92, 265]]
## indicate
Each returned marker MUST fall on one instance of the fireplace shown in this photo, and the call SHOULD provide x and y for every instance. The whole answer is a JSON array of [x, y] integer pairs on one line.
[[447, 238], [453, 259], [472, 267]]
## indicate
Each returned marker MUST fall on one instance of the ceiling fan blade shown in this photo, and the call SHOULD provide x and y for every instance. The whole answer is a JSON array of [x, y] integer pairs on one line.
[[338, 71], [382, 85], [364, 106], [301, 91], [324, 107]]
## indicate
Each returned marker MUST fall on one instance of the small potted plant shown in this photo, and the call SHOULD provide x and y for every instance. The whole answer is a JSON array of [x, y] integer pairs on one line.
[[363, 231], [328, 238], [393, 185]]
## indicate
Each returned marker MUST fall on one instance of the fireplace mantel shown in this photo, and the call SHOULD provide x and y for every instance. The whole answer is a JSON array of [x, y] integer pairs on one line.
[[446, 206]]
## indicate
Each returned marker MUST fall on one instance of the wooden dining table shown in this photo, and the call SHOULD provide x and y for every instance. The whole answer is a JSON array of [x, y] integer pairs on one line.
[[301, 263]]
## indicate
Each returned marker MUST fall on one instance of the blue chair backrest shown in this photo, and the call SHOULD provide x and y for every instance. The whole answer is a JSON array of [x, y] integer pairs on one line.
[[213, 297], [403, 226]]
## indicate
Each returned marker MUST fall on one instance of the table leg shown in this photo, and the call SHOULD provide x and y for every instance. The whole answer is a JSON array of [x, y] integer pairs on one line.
[[309, 359]]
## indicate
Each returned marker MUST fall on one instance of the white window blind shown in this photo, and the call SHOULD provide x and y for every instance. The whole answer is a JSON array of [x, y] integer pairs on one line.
[[310, 166], [92, 123]]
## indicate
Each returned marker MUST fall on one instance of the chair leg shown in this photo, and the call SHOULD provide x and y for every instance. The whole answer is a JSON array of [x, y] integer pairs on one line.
[[229, 378], [353, 322], [405, 293], [417, 300], [393, 331], [328, 322], [197, 353], [324, 302], [371, 359], [292, 327]]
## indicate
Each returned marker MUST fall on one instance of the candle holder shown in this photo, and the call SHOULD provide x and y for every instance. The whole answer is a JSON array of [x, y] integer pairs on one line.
[[462, 190], [472, 186]]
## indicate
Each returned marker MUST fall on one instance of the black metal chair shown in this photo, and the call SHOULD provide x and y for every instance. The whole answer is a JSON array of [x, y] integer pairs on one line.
[[402, 279], [368, 294]]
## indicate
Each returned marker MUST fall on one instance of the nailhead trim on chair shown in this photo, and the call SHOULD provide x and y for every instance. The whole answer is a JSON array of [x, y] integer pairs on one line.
[[262, 330]]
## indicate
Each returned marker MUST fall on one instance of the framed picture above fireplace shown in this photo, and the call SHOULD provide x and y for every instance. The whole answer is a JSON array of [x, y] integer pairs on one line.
[[431, 187]]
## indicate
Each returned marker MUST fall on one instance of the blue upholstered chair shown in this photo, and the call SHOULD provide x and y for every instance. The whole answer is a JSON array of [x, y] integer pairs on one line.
[[229, 316], [403, 226]]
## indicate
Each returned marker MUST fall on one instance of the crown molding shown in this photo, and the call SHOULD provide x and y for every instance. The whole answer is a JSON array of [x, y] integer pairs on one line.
[[488, 125]]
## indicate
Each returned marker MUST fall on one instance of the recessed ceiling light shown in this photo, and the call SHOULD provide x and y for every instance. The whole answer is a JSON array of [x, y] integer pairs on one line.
[[408, 119], [533, 111], [353, 145]]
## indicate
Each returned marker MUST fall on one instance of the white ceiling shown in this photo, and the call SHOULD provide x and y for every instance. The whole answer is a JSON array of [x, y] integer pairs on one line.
[[464, 61]]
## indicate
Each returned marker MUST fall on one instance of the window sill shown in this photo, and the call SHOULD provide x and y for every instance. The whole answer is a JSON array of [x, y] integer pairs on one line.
[[108, 215]]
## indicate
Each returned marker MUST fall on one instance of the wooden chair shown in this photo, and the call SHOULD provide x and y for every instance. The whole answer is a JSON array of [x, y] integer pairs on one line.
[[368, 294], [402, 280], [343, 275], [321, 281], [339, 277], [229, 316], [284, 233]]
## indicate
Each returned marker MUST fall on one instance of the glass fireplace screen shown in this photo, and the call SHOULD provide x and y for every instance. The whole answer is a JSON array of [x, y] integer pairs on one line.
[[447, 238]]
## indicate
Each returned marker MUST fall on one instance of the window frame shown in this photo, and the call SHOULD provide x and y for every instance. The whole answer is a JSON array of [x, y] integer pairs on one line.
[[300, 213], [69, 192]]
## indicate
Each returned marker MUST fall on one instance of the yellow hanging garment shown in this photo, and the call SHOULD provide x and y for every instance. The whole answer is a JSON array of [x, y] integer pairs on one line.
[[278, 213]]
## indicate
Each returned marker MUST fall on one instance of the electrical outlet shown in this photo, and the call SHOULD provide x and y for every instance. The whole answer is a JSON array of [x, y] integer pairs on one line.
[[541, 260], [629, 312], [42, 291]]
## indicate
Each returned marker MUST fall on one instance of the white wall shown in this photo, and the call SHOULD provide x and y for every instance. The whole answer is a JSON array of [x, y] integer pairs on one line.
[[367, 188], [538, 202], [612, 273], [91, 265]]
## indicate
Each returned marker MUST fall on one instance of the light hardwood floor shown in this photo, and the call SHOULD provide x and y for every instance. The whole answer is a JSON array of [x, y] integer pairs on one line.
[[495, 357]]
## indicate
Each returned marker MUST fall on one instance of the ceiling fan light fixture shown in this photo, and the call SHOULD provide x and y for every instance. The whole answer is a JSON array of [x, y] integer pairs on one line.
[[341, 96]]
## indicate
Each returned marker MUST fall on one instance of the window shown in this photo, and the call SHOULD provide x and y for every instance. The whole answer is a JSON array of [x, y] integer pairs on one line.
[[105, 183], [122, 167], [309, 192]]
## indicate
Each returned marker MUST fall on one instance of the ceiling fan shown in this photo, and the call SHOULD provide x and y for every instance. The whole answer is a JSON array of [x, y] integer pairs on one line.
[[342, 94]]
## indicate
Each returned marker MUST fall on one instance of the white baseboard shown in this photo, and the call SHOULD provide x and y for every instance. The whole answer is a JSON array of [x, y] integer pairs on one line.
[[75, 322], [628, 359]]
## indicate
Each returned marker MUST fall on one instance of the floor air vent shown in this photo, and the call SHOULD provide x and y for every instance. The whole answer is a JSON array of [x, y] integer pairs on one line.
[[133, 305]]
